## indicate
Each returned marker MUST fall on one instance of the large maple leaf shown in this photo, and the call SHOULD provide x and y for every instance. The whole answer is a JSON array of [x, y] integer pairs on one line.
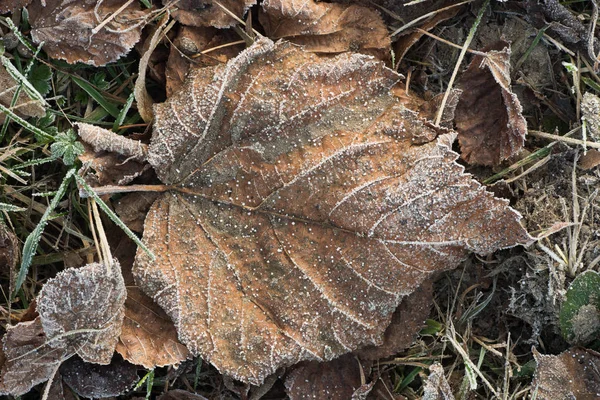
[[302, 211]]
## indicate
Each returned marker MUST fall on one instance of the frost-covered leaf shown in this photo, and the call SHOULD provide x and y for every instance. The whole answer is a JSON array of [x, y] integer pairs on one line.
[[573, 374], [99, 381], [29, 359], [326, 27], [437, 387], [488, 117], [82, 308], [580, 312], [406, 321], [67, 147], [148, 337], [338, 379], [25, 106], [300, 213], [11, 5], [9, 249], [67, 29], [590, 110], [208, 13]]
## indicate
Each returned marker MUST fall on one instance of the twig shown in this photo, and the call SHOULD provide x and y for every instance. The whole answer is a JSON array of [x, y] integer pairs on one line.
[[563, 139], [423, 17]]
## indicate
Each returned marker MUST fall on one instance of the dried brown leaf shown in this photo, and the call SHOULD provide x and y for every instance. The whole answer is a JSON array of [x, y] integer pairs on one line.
[[66, 28], [180, 395], [103, 168], [437, 387], [11, 5], [99, 381], [589, 160], [104, 140], [133, 207], [185, 53], [590, 110], [572, 374], [338, 379], [82, 308], [209, 13], [28, 357], [488, 117], [9, 254], [148, 337], [24, 105], [301, 213], [325, 27], [407, 320]]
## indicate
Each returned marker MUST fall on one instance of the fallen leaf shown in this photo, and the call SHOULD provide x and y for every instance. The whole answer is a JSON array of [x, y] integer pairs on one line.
[[437, 387], [327, 27], [24, 106], [102, 168], [335, 380], [180, 395], [572, 374], [99, 381], [148, 337], [11, 5], [9, 254], [104, 140], [82, 308], [209, 13], [28, 357], [67, 29], [589, 160], [300, 213], [406, 321], [488, 117], [185, 53], [590, 114], [133, 207]]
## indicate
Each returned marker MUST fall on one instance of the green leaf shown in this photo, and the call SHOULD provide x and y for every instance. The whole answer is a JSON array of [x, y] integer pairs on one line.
[[67, 147], [40, 78], [580, 313]]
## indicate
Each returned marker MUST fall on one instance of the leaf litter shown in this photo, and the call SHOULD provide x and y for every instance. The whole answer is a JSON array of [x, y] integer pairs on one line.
[[259, 128]]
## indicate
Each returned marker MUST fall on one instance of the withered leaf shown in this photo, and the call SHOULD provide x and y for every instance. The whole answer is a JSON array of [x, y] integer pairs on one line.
[[148, 336], [104, 168], [24, 105], [99, 381], [338, 379], [406, 321], [488, 117], [9, 254], [437, 387], [104, 140], [208, 13], [326, 27], [573, 374], [67, 29], [133, 207], [28, 357], [180, 395], [82, 308], [300, 213], [11, 5]]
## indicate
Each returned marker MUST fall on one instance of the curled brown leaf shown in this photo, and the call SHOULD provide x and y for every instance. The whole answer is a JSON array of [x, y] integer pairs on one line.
[[68, 29], [209, 12], [488, 116], [327, 27]]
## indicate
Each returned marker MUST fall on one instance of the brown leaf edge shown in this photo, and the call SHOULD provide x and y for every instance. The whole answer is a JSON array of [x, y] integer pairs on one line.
[[488, 117]]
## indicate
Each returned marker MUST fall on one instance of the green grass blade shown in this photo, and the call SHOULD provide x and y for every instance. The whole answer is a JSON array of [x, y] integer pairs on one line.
[[123, 113], [26, 124], [10, 208], [31, 243], [96, 95]]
